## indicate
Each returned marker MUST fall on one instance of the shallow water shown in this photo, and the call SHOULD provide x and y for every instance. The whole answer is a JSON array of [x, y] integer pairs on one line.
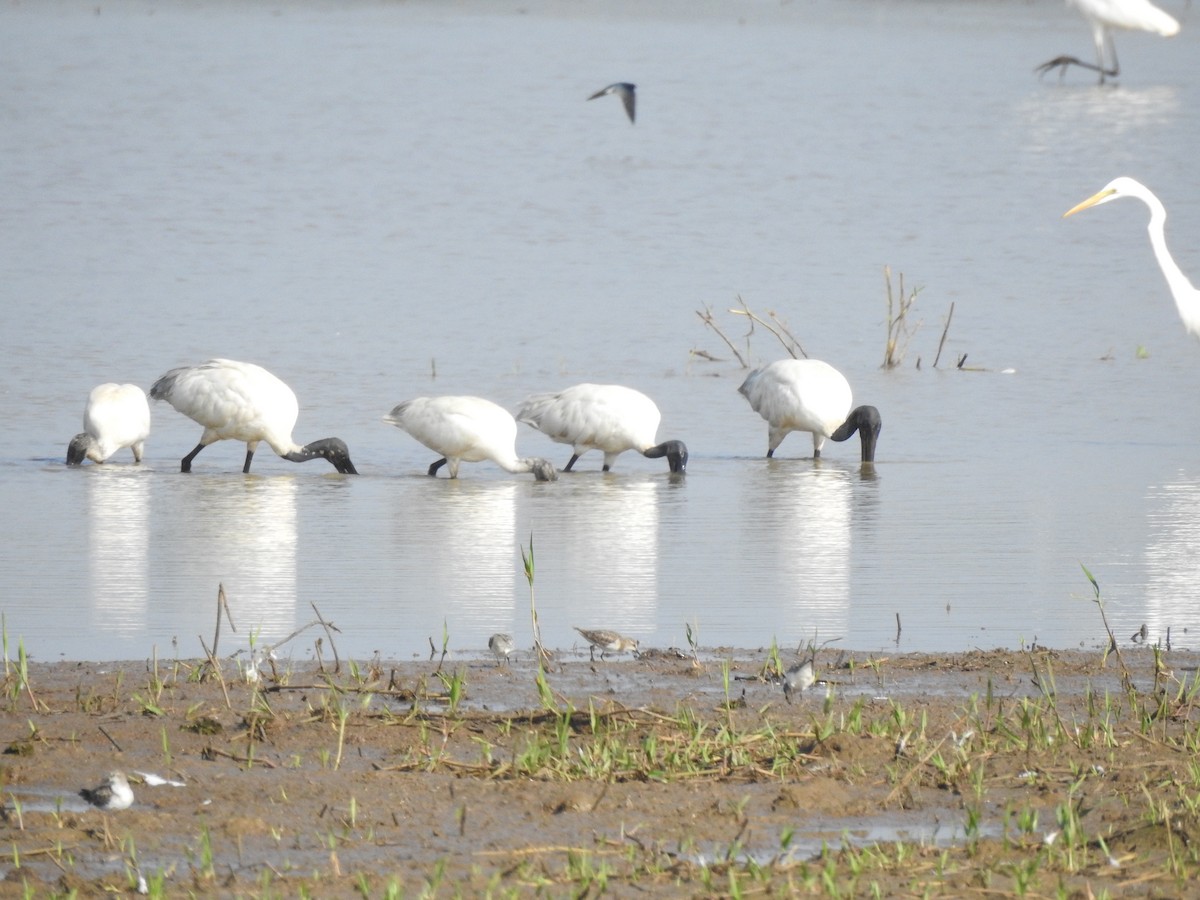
[[379, 201]]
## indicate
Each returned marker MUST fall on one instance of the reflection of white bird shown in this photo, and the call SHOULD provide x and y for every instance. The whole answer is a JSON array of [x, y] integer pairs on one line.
[[809, 395], [1104, 16], [114, 793], [116, 416], [243, 402], [468, 429], [605, 417], [1187, 298], [625, 91]]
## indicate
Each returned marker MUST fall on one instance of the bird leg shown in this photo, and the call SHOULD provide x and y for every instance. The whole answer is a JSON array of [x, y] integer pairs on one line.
[[249, 456], [433, 468], [1061, 63], [185, 465], [1104, 42], [571, 462]]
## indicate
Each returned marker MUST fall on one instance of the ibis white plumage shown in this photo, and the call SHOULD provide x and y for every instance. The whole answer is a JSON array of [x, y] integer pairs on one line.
[[1104, 16], [610, 418], [240, 401], [1187, 298], [810, 395], [116, 416], [466, 429]]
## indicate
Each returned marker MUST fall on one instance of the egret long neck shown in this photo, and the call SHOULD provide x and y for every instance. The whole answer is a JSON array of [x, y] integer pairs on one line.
[[1187, 299]]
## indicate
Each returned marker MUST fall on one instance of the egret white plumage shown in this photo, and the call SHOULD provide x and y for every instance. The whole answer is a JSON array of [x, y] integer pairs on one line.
[[1104, 16], [116, 416], [626, 92], [809, 395], [1187, 298], [240, 401], [466, 429], [610, 418]]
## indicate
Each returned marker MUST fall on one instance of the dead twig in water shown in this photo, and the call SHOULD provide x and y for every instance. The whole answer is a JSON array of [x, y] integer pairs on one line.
[[790, 344], [898, 333], [942, 342], [222, 605], [707, 318]]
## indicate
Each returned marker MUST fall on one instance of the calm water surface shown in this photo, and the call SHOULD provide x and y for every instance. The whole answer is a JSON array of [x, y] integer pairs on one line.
[[379, 201]]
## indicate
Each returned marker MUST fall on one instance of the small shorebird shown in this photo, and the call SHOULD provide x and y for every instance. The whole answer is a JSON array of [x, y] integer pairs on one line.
[[608, 642], [799, 678], [625, 91], [113, 793], [501, 645]]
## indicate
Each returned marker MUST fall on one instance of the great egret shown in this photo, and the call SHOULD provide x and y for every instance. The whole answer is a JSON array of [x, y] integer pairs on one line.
[[607, 641], [240, 401], [625, 91], [1104, 16], [1187, 298], [112, 794], [610, 418], [466, 429], [809, 395], [116, 416]]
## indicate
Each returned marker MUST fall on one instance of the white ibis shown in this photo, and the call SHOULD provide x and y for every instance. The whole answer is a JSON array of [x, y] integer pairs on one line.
[[240, 401], [610, 418], [466, 429], [809, 395], [116, 416]]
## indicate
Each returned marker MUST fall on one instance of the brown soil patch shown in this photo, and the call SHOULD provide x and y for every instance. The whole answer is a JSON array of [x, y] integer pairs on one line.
[[1000, 773]]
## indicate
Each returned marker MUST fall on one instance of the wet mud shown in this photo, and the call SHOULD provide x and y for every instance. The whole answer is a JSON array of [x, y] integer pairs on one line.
[[671, 773]]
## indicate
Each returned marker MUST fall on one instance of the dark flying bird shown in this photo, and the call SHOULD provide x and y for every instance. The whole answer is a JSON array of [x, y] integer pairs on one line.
[[624, 90]]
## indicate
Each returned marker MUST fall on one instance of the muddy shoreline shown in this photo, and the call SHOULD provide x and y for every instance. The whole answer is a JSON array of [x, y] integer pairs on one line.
[[672, 773]]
